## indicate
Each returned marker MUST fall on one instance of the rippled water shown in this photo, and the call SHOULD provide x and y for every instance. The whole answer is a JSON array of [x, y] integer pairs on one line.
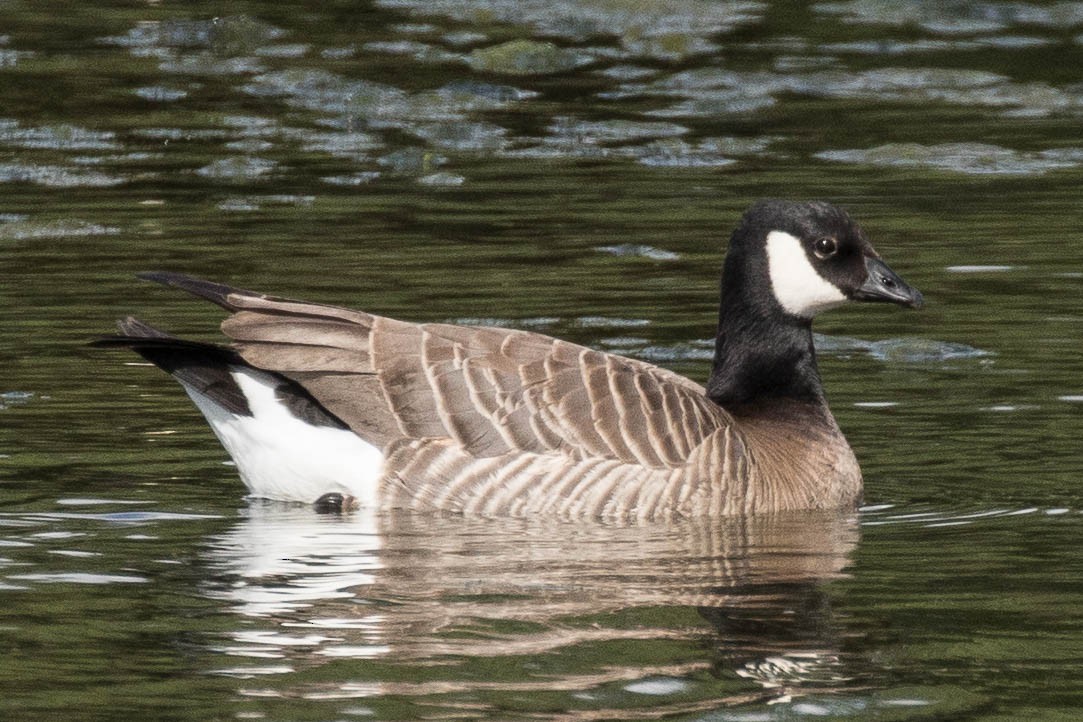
[[573, 168]]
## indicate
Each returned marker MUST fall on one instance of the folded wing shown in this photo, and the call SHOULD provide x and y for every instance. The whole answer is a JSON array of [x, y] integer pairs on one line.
[[490, 391]]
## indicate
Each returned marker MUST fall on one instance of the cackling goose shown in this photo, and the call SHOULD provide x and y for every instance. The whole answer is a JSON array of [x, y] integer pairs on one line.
[[318, 403]]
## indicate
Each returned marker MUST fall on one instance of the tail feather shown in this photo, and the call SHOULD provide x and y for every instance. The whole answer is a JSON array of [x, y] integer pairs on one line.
[[202, 367], [134, 328], [209, 369], [285, 444]]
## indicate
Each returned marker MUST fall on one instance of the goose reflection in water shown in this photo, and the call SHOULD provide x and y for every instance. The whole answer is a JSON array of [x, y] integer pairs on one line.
[[444, 590]]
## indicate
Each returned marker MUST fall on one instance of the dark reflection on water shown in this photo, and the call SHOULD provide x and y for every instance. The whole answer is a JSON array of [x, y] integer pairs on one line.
[[283, 613], [706, 612]]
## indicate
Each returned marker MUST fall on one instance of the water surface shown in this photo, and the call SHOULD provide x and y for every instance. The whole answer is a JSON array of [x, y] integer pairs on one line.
[[572, 168]]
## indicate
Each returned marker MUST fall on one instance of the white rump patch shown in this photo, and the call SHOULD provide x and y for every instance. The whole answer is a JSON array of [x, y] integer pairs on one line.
[[798, 287], [281, 457]]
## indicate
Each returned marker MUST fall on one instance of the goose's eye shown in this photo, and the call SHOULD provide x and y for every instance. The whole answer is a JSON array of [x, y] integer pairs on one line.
[[825, 247]]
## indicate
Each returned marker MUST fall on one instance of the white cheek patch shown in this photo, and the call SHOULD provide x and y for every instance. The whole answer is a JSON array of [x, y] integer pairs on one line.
[[799, 289]]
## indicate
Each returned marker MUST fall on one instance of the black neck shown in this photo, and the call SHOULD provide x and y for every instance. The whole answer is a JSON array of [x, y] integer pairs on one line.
[[762, 354]]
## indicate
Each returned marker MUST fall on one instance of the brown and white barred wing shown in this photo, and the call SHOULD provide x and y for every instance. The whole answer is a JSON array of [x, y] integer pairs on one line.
[[487, 406]]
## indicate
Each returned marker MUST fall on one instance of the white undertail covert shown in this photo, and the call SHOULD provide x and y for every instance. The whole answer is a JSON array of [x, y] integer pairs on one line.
[[280, 456]]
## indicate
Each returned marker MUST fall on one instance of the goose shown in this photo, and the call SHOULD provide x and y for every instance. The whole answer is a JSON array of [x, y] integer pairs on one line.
[[344, 409]]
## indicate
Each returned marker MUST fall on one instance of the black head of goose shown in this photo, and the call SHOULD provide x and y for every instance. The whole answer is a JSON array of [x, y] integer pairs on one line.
[[316, 402]]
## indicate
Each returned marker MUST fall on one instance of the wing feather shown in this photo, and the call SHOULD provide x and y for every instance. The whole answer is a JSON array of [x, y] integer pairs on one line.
[[491, 391]]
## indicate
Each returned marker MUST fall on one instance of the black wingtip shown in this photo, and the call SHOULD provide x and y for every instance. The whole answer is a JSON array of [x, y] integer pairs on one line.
[[214, 292]]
